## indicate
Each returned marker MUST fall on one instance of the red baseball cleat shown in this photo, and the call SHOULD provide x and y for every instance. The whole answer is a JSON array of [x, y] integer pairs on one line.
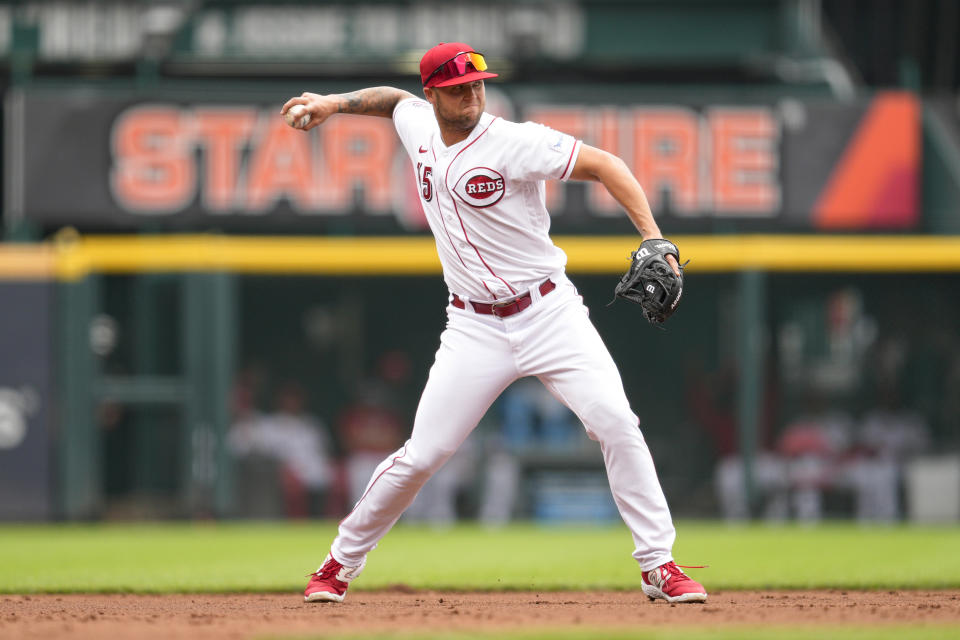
[[670, 583], [330, 582]]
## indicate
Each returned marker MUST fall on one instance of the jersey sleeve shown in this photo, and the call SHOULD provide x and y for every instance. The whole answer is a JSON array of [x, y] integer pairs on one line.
[[413, 119], [542, 153]]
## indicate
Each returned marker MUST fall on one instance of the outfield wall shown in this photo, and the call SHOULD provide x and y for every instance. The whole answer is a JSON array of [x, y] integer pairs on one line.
[[151, 334]]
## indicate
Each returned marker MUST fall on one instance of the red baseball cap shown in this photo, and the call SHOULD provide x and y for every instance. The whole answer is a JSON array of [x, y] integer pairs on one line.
[[451, 63]]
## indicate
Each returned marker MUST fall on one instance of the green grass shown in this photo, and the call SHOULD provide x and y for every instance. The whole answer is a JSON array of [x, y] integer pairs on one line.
[[224, 557]]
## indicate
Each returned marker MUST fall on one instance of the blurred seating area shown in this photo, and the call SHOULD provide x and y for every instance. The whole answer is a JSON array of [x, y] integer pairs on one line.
[[858, 420]]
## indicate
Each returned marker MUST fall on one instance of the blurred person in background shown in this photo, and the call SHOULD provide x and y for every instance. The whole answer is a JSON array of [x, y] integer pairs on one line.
[[711, 398], [297, 441], [888, 437], [256, 471], [815, 445]]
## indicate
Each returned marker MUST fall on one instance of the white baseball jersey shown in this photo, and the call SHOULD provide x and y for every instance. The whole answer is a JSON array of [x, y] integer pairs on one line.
[[484, 199]]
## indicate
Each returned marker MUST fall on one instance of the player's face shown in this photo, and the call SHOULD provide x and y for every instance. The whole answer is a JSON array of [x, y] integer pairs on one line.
[[459, 106]]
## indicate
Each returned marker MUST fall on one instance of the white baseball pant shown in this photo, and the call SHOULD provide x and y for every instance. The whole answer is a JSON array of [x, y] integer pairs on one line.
[[479, 356]]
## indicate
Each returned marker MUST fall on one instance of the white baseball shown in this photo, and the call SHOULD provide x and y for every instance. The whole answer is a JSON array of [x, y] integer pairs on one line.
[[297, 116]]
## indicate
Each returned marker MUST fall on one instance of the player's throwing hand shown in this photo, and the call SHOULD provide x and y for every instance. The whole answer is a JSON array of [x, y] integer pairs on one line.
[[318, 107]]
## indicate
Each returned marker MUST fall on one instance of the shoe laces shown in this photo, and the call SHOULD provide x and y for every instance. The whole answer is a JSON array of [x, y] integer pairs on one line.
[[328, 570], [674, 572]]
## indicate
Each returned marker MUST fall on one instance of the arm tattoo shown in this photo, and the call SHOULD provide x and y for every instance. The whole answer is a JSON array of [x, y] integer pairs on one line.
[[375, 101]]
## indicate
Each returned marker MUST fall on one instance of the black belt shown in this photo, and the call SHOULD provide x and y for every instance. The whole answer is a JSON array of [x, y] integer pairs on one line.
[[504, 309]]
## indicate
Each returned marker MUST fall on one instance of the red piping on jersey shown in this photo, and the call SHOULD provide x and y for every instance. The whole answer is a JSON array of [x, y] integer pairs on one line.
[[569, 160], [373, 482], [446, 183], [467, 238], [446, 176], [453, 245]]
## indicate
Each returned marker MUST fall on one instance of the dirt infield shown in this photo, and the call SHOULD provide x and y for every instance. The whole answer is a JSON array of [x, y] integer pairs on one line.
[[252, 615]]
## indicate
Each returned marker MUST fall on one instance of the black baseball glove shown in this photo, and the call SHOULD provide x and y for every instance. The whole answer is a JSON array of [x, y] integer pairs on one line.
[[651, 282]]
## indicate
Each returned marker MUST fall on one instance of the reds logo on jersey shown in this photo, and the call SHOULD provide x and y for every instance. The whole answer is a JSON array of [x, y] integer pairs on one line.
[[480, 187]]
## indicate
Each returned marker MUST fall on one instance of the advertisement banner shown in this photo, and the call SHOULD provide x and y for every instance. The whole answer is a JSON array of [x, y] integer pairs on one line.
[[99, 161]]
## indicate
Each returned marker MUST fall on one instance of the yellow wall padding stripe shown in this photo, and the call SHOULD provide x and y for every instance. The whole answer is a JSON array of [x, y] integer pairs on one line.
[[27, 262], [246, 254], [72, 257], [794, 253]]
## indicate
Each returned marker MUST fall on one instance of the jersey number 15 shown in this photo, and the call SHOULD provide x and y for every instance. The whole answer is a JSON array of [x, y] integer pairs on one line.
[[426, 186]]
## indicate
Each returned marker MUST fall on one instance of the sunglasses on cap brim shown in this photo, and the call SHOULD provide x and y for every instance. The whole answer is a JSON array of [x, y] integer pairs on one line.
[[459, 65]]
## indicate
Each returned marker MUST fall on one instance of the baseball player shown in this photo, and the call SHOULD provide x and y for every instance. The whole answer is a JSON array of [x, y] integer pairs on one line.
[[512, 311]]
